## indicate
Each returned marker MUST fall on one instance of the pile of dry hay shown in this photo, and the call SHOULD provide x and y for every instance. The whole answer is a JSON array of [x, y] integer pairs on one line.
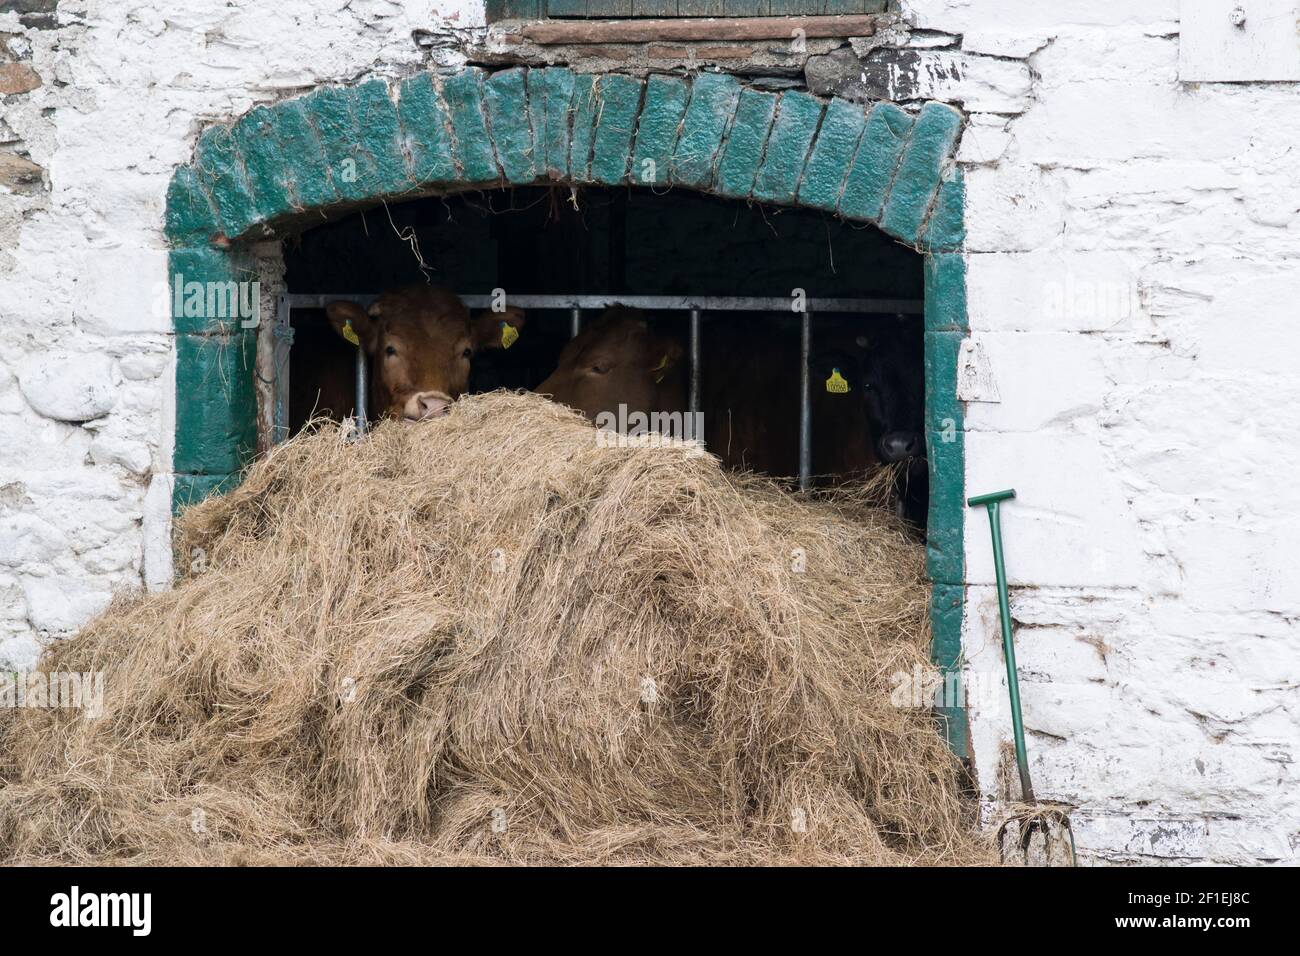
[[487, 639]]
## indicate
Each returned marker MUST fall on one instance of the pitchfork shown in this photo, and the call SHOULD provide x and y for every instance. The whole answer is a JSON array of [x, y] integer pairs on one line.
[[1029, 819]]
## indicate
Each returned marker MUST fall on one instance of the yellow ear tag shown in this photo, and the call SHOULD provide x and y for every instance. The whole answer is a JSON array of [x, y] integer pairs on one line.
[[661, 368], [836, 384], [350, 334], [509, 335]]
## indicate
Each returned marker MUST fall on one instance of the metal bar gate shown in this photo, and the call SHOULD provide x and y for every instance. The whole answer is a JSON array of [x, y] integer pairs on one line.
[[696, 306]]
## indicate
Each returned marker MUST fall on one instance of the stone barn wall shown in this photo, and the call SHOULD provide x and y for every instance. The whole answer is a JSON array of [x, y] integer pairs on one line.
[[1130, 232]]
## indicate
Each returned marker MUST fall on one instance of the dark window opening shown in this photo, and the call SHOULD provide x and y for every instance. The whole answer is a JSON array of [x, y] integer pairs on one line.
[[866, 369]]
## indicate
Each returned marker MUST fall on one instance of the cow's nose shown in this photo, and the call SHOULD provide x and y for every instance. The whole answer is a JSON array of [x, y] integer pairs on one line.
[[423, 405], [897, 446]]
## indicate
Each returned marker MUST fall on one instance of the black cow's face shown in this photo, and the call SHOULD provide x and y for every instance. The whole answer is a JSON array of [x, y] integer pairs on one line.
[[894, 370], [882, 363], [894, 373], [882, 367]]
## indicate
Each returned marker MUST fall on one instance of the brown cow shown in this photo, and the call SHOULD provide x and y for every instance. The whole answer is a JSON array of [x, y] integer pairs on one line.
[[751, 391], [619, 359], [420, 341]]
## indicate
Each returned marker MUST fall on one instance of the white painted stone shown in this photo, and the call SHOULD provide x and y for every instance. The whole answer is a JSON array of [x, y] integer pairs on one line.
[[1235, 40], [975, 379], [121, 293], [1145, 52], [13, 606], [27, 540], [1119, 121], [1033, 382], [1021, 209], [157, 533], [1004, 43], [1063, 710], [980, 84], [11, 397], [930, 39], [1249, 841], [1141, 837], [1070, 523], [134, 456], [78, 485], [69, 386], [1244, 566], [143, 366], [1057, 290], [1045, 653], [1034, 17], [985, 139], [59, 604], [19, 650]]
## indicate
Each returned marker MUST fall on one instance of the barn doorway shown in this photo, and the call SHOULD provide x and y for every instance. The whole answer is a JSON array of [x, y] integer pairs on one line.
[[761, 264], [277, 170]]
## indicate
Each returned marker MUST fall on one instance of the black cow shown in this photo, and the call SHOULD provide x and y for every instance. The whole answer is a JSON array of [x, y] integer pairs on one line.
[[894, 370]]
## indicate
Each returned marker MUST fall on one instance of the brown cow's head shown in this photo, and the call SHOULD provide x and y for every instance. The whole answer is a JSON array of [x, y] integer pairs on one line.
[[618, 360], [420, 341]]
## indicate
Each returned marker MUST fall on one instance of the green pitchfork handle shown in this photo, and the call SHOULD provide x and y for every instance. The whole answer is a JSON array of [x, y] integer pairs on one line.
[[992, 501]]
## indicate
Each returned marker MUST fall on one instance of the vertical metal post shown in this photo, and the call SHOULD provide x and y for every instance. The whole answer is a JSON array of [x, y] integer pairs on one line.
[[805, 404], [360, 409], [282, 336], [694, 399], [575, 323]]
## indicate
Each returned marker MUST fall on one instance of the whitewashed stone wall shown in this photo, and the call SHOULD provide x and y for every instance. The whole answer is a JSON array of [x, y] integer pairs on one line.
[[1132, 285], [1132, 292], [86, 377]]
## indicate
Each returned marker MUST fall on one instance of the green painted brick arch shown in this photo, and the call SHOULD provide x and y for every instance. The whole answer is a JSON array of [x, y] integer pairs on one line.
[[275, 169], [474, 129]]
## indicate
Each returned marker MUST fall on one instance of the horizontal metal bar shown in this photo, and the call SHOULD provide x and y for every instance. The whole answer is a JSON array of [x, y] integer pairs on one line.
[[301, 300], [663, 303]]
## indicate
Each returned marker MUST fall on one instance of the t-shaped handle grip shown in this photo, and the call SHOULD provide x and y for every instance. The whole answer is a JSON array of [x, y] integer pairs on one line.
[[991, 497]]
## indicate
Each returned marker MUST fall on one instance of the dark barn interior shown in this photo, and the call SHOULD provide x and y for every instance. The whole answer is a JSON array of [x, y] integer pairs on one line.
[[538, 241]]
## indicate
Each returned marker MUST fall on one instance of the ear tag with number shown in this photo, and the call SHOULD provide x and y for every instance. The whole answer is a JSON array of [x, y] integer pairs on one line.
[[509, 335], [836, 384], [661, 369], [350, 334]]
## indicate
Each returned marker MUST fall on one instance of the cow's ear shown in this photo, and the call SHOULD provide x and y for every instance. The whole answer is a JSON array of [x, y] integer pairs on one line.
[[498, 330], [668, 354], [353, 323]]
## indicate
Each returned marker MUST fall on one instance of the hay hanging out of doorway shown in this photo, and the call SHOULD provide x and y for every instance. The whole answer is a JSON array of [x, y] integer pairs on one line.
[[489, 639]]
